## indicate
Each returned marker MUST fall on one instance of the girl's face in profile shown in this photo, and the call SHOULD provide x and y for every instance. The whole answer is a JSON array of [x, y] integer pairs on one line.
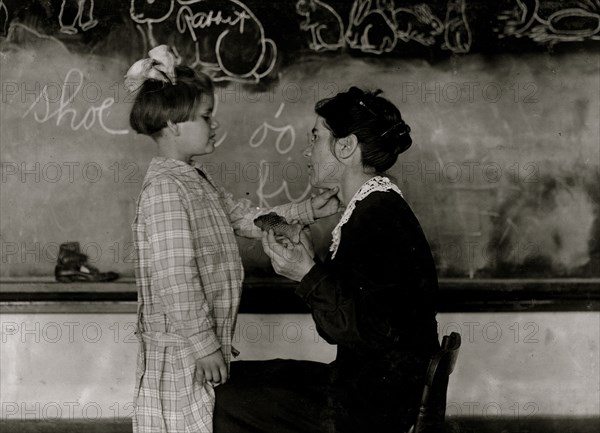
[[197, 135], [324, 169]]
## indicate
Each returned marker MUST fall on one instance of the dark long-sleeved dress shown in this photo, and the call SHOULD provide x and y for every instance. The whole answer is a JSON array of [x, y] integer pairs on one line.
[[375, 300]]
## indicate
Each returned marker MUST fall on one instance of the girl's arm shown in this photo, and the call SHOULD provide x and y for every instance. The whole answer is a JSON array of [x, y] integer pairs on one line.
[[242, 212], [175, 276]]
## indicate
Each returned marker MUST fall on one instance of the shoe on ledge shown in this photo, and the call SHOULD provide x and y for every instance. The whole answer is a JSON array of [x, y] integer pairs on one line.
[[85, 274], [70, 255], [72, 266]]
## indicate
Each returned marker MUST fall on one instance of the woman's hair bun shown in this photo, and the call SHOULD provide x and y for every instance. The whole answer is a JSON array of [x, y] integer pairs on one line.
[[376, 122], [402, 143]]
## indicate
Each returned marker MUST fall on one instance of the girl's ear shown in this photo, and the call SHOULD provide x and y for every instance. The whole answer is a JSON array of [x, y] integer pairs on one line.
[[345, 147], [173, 127]]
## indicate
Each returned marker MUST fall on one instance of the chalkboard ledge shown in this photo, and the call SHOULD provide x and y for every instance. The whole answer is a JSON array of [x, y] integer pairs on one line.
[[463, 423], [275, 295]]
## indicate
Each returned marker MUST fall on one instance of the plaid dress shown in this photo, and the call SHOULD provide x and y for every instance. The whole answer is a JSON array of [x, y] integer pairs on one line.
[[189, 277]]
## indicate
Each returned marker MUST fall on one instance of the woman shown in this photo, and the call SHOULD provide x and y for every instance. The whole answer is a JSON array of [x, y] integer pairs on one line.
[[373, 296]]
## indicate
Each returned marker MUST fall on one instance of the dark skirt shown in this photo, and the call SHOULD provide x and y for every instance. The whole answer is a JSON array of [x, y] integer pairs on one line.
[[278, 396], [288, 396]]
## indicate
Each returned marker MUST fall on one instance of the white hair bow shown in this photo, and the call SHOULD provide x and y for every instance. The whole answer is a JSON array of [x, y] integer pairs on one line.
[[159, 66]]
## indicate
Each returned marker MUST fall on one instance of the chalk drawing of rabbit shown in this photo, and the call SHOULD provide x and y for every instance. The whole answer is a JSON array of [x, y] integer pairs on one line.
[[457, 33], [324, 24], [371, 27]]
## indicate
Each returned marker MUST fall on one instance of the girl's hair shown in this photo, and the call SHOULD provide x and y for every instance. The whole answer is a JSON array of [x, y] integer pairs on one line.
[[376, 122], [157, 101]]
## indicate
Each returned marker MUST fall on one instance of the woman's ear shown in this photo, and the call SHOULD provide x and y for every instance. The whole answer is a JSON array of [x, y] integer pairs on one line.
[[173, 127], [345, 147]]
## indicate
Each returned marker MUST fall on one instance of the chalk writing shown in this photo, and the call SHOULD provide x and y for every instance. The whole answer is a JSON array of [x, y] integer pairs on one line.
[[186, 19], [266, 176], [228, 40], [565, 25], [257, 139], [76, 12], [3, 18], [260, 134], [73, 81]]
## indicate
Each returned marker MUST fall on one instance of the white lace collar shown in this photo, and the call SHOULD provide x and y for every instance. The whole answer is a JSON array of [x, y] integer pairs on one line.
[[377, 183]]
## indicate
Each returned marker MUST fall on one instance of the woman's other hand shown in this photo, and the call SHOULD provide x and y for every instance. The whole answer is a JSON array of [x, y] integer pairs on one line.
[[291, 260], [306, 241], [326, 203]]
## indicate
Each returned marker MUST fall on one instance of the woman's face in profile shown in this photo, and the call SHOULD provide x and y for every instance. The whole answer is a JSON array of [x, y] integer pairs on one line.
[[324, 169]]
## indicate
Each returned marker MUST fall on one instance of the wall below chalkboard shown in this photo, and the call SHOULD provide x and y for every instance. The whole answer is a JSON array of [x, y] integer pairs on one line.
[[503, 172], [517, 365]]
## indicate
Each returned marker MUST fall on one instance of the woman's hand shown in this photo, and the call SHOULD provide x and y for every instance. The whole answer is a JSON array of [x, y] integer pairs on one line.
[[326, 203], [291, 260], [306, 240], [304, 237], [212, 368]]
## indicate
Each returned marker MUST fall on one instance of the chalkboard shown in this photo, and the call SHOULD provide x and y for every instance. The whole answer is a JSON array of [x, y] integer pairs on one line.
[[502, 100]]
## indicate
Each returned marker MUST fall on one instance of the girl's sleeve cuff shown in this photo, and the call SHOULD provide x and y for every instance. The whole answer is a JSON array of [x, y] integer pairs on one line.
[[303, 212], [203, 344]]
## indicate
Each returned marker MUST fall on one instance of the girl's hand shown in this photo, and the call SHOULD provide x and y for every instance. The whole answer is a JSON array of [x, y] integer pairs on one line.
[[326, 203], [292, 260], [212, 368]]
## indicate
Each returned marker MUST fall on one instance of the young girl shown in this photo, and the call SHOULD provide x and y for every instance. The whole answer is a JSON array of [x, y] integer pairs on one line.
[[188, 268]]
